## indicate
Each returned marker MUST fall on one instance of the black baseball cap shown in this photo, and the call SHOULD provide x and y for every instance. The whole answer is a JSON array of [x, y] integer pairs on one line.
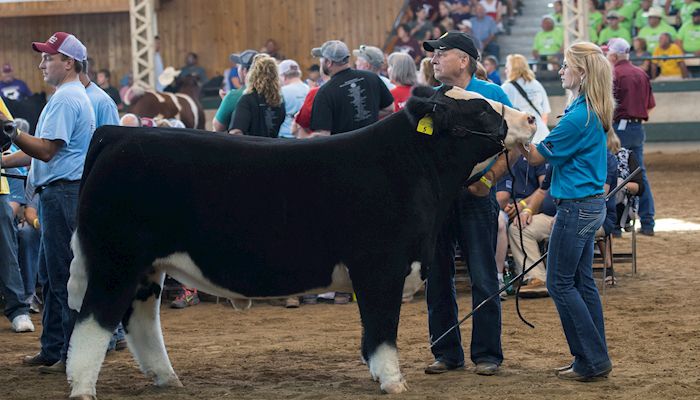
[[453, 40]]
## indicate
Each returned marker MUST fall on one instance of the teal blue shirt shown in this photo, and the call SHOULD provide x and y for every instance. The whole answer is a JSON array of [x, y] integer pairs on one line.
[[576, 149], [488, 90]]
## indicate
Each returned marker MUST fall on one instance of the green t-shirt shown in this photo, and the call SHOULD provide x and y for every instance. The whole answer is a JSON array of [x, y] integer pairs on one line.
[[689, 34], [592, 35], [687, 12], [228, 106], [640, 20], [651, 35], [608, 33], [548, 43], [628, 11], [595, 19]]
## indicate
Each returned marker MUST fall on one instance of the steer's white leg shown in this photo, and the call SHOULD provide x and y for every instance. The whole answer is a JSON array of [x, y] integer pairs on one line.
[[88, 345], [145, 338], [384, 366]]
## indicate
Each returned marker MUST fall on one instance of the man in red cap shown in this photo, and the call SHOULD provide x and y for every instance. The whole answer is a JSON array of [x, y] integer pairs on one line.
[[57, 155]]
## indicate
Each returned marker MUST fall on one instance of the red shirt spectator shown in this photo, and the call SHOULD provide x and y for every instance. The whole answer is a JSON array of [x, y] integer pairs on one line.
[[303, 118], [401, 94]]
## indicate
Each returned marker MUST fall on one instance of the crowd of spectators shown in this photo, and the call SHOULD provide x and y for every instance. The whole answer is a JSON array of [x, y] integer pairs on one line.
[[661, 36]]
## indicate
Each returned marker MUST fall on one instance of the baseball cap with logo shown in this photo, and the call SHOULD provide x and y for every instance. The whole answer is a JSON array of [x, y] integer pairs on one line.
[[618, 46], [333, 50], [64, 43], [244, 58], [373, 55], [453, 40], [288, 66]]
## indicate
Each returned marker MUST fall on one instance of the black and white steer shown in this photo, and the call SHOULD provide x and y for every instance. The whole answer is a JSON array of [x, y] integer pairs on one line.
[[250, 217]]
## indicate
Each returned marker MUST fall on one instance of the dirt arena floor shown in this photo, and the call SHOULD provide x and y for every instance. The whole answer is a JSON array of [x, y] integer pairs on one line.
[[268, 352]]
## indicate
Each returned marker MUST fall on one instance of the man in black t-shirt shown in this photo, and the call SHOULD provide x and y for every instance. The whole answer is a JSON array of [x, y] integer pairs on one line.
[[351, 99]]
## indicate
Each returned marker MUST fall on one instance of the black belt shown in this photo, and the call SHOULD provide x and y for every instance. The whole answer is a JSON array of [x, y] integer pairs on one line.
[[594, 196], [630, 120], [57, 182]]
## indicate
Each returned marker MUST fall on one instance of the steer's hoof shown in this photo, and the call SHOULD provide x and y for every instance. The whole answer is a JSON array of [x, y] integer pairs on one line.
[[83, 397], [394, 387], [172, 382]]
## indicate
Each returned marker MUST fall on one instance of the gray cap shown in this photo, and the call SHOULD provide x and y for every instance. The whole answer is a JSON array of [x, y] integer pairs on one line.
[[373, 55], [333, 50], [244, 58]]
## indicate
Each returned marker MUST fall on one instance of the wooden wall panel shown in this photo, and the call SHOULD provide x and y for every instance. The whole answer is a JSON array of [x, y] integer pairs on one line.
[[62, 7], [211, 28]]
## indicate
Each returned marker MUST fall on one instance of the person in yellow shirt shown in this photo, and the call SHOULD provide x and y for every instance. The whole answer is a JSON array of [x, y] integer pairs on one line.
[[670, 69]]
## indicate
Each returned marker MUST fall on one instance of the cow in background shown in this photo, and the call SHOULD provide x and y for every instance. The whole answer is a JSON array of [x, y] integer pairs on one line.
[[183, 105], [252, 217]]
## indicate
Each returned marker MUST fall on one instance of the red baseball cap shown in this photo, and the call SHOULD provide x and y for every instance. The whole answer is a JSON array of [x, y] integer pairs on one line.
[[64, 43]]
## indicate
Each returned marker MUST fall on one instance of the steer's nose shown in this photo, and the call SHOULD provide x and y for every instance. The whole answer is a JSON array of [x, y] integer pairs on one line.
[[531, 122]]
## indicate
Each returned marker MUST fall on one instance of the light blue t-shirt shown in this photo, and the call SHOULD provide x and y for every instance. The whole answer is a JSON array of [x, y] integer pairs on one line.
[[105, 109], [68, 116], [576, 149], [489, 90], [294, 95], [16, 185]]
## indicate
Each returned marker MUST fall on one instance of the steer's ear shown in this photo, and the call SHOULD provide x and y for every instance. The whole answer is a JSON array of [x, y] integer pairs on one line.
[[418, 107], [423, 91]]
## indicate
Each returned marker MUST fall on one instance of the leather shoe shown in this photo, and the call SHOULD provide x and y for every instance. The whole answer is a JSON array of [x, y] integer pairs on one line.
[[486, 368], [571, 375], [439, 367], [37, 360], [59, 367]]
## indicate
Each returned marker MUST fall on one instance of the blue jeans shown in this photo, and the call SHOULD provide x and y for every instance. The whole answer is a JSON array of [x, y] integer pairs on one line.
[[632, 138], [474, 225], [29, 240], [10, 277], [571, 285], [59, 204]]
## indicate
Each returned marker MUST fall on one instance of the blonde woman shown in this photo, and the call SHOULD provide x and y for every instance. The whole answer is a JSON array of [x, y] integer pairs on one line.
[[426, 73], [525, 92], [260, 111], [576, 150]]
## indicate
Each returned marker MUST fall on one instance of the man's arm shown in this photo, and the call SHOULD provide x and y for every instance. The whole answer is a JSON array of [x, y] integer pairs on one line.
[[496, 172], [41, 149], [318, 133], [388, 110], [684, 69], [16, 159]]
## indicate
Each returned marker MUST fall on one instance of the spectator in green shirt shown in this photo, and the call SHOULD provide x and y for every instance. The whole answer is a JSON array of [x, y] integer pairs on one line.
[[222, 120], [549, 40], [689, 34], [654, 28], [640, 18], [686, 12], [626, 13], [613, 29], [595, 18]]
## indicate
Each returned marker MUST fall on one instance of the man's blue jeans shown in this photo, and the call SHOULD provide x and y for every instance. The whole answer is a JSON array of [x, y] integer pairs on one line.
[[473, 224], [10, 277], [59, 205], [632, 138], [29, 240], [571, 285]]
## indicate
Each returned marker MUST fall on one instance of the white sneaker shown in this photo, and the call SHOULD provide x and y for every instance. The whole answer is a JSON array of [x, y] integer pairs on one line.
[[22, 323]]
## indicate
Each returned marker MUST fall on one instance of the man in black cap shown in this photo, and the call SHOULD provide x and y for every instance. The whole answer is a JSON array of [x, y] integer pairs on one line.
[[351, 99], [224, 114], [473, 224]]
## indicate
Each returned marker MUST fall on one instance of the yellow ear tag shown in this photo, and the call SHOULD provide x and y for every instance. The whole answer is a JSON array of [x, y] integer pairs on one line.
[[425, 125]]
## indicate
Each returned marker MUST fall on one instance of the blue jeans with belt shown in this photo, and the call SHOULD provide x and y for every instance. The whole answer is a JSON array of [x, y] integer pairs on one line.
[[632, 138], [59, 206], [10, 278], [571, 285], [474, 225]]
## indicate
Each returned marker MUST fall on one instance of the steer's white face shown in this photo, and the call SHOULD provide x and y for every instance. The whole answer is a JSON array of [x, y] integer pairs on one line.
[[521, 126]]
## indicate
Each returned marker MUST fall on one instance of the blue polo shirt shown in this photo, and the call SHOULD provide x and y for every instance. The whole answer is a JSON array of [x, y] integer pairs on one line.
[[576, 149], [488, 90], [105, 108], [68, 116]]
